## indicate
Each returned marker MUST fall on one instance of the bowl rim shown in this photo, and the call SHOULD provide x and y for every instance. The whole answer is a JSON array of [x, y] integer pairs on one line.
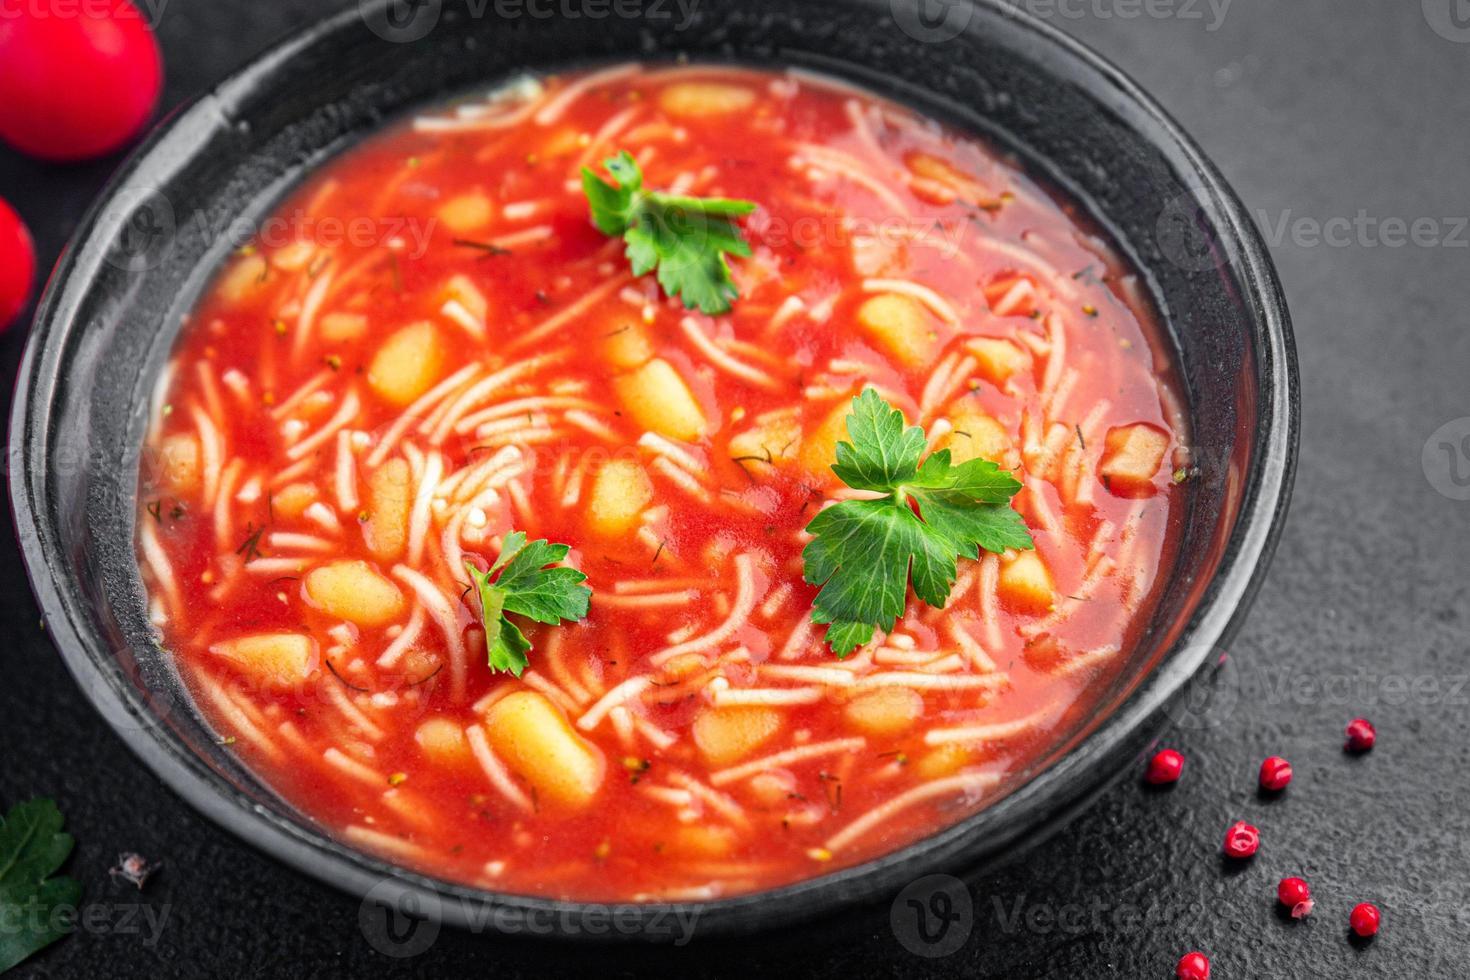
[[1046, 796]]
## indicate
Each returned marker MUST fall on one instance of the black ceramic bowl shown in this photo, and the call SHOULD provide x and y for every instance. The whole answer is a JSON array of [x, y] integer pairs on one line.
[[113, 308]]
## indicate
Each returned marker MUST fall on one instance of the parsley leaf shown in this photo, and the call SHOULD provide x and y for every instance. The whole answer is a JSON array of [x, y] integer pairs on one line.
[[685, 238], [864, 552], [527, 588], [32, 848]]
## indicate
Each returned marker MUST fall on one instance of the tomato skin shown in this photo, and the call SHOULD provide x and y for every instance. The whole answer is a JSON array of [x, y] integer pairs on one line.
[[78, 78], [17, 264]]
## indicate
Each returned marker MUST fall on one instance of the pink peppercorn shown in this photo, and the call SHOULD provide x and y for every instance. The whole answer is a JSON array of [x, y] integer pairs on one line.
[[1164, 768], [1242, 840], [1275, 773], [1361, 735], [1193, 966], [1296, 895], [1364, 920]]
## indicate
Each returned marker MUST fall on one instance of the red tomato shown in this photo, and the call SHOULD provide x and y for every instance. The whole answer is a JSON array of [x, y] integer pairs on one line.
[[17, 264], [78, 78]]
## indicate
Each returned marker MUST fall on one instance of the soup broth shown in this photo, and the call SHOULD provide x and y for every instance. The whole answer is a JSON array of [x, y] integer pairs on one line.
[[429, 346]]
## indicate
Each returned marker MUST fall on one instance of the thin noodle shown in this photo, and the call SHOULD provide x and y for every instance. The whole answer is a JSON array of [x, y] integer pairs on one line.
[[968, 784]]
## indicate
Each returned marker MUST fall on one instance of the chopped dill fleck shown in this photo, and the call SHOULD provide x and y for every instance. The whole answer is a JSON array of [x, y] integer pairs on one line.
[[250, 547], [490, 249], [345, 683]]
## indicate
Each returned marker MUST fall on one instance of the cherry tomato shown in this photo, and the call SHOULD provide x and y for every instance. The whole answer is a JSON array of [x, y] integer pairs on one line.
[[17, 264], [78, 78]]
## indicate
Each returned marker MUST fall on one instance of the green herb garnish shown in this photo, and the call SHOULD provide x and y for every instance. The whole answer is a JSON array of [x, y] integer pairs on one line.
[[32, 848], [863, 552], [528, 588], [685, 238]]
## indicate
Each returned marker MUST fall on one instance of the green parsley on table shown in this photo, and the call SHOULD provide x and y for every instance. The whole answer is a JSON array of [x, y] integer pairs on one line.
[[685, 238], [32, 848], [933, 512], [527, 588]]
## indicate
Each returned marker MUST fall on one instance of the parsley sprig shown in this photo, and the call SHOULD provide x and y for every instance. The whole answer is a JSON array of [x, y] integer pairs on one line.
[[527, 588], [863, 552], [685, 238], [32, 848]]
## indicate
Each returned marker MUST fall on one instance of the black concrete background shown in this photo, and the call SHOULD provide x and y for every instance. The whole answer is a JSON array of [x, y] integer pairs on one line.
[[1316, 110]]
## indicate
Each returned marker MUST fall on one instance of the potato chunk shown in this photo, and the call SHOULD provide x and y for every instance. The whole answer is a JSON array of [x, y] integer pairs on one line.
[[626, 344], [945, 760], [900, 326], [466, 213], [179, 464], [1026, 582], [354, 591], [659, 400], [703, 840], [292, 500], [619, 494], [999, 359], [695, 99], [243, 280], [1131, 458], [772, 442], [274, 660], [976, 436], [885, 711], [293, 256], [819, 446], [442, 741], [532, 737], [727, 735], [388, 500], [952, 179], [408, 363], [336, 328]]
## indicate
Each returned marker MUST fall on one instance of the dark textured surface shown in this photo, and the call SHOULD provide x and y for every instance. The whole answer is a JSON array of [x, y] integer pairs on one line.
[[1315, 111]]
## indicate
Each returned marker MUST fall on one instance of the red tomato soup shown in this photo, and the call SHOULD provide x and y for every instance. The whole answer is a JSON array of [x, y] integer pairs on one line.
[[429, 346]]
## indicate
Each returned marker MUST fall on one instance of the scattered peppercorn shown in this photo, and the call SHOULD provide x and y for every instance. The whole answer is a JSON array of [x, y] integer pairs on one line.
[[1275, 774], [1164, 768], [1242, 840], [1365, 920], [1361, 735], [1296, 895], [1193, 966]]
